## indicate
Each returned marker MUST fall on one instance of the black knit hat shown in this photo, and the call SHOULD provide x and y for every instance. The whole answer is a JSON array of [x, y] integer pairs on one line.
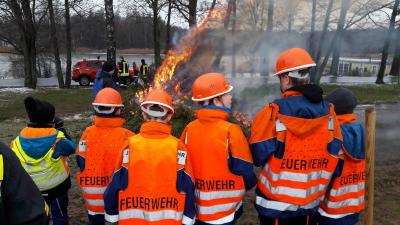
[[107, 67], [343, 99], [39, 112]]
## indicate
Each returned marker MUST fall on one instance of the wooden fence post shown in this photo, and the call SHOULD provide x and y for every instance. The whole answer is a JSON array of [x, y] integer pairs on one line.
[[370, 121]]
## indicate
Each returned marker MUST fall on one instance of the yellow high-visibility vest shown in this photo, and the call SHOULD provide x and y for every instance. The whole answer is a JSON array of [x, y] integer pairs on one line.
[[46, 171]]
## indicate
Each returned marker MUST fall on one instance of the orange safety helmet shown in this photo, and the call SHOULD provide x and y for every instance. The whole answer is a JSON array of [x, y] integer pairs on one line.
[[107, 97], [293, 59], [210, 85], [160, 98]]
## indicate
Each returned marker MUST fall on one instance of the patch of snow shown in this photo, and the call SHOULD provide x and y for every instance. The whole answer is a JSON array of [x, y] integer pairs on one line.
[[22, 90]]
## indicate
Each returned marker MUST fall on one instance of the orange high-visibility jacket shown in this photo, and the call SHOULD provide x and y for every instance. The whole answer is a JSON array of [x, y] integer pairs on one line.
[[298, 154], [96, 154], [222, 164], [153, 181], [346, 195]]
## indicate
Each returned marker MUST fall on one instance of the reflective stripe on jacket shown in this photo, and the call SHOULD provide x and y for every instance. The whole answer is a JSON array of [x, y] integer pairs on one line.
[[97, 153], [47, 172], [221, 162], [347, 193]]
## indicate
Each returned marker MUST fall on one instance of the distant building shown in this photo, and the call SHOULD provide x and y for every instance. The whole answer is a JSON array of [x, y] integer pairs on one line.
[[358, 67]]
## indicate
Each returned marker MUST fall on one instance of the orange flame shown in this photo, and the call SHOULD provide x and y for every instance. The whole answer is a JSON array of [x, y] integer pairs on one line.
[[183, 52]]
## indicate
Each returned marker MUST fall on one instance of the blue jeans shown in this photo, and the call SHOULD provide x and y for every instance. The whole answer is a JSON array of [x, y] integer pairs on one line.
[[59, 210], [97, 219]]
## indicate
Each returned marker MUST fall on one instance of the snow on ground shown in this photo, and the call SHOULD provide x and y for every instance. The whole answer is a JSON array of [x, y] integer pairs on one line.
[[22, 90]]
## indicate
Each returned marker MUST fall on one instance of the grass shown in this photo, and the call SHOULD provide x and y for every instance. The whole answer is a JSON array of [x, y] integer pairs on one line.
[[371, 93], [66, 101]]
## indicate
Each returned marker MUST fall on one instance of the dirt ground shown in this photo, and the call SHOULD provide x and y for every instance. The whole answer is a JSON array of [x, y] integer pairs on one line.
[[387, 180]]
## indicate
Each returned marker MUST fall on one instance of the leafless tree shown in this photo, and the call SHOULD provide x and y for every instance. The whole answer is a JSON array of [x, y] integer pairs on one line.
[[54, 41], [395, 69], [337, 41], [110, 30], [22, 13], [68, 43], [385, 49], [311, 45], [270, 13]]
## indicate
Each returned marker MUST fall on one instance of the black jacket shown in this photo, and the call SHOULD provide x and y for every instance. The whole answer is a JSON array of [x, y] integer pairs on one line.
[[20, 202]]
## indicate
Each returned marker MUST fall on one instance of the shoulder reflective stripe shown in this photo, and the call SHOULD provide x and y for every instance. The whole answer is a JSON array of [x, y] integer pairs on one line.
[[344, 203], [1, 168], [95, 202], [182, 157], [125, 158], [202, 195], [217, 208], [186, 138], [93, 190], [150, 216], [52, 182], [347, 189], [331, 125], [82, 146], [283, 206], [293, 192], [300, 177], [333, 216], [279, 126]]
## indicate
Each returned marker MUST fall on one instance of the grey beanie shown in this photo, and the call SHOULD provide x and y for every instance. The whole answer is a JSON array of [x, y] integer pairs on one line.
[[343, 99]]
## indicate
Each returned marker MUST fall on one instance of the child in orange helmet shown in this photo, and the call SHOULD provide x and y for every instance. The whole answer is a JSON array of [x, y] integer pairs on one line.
[[152, 183], [296, 139], [219, 152], [98, 149]]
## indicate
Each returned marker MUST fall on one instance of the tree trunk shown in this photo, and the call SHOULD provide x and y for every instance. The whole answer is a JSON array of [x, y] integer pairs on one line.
[[324, 31], [56, 50], [192, 13], [168, 39], [270, 16], [110, 29], [68, 44], [385, 50], [221, 41], [337, 44], [156, 35], [28, 31], [395, 69], [290, 15], [311, 45], [233, 39]]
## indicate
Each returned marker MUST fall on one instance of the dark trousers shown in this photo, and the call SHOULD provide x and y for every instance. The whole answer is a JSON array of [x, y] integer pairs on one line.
[[96, 219], [300, 220], [59, 209]]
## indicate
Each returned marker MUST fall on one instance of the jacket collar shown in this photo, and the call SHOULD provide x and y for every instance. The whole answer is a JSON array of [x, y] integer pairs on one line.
[[152, 129], [347, 118], [289, 93], [31, 132], [108, 122], [211, 114]]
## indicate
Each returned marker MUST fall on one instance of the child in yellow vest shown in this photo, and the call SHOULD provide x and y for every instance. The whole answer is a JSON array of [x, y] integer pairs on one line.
[[42, 150]]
